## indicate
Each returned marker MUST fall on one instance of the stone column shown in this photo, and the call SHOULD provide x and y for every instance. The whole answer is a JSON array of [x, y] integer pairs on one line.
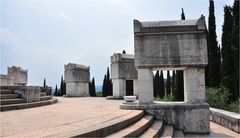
[[135, 87], [145, 86], [119, 87], [194, 85]]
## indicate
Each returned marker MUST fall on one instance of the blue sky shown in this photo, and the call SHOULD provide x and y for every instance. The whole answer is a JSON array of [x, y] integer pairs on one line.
[[43, 35]]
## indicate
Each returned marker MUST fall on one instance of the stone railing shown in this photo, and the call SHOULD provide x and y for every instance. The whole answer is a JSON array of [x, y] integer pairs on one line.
[[225, 118]]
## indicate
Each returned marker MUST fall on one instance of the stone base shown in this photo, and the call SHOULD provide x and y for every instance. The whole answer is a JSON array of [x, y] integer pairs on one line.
[[191, 118], [77, 89]]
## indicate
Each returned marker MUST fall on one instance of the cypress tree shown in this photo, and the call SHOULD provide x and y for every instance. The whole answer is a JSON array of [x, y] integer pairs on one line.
[[235, 48], [182, 15], [124, 52], [161, 83], [168, 86], [93, 89], [213, 76], [156, 84], [44, 82], [173, 83], [56, 91], [61, 87], [104, 86], [227, 53], [179, 86]]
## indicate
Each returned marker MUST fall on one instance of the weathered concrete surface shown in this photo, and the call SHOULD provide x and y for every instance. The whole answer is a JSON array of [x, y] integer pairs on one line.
[[170, 43], [31, 93], [191, 118], [18, 75], [119, 88], [77, 78], [145, 85], [122, 67], [225, 118], [67, 115], [194, 85], [5, 80]]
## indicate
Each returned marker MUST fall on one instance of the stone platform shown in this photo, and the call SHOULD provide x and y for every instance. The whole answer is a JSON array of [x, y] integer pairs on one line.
[[70, 114]]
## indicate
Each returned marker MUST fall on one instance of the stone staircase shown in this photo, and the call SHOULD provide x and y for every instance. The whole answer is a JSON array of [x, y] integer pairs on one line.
[[9, 100], [131, 125]]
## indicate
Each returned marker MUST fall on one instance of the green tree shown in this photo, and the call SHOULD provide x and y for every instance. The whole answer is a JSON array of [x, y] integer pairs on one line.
[[162, 87], [168, 85], [182, 15], [179, 86], [227, 53], [173, 83], [61, 87], [92, 90], [104, 94], [235, 48], [213, 68], [156, 84], [56, 91], [44, 82]]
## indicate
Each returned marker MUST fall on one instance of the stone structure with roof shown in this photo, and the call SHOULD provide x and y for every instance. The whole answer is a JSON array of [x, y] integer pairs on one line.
[[77, 79]]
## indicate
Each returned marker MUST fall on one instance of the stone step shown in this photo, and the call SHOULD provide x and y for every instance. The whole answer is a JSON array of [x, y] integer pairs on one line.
[[12, 101], [178, 133], [136, 129], [104, 129], [9, 96], [43, 94], [167, 131], [43, 98], [27, 105], [154, 130], [5, 91]]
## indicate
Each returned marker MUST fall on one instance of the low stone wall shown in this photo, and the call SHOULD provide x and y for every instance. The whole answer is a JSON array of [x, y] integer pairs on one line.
[[191, 118], [29, 93], [225, 118]]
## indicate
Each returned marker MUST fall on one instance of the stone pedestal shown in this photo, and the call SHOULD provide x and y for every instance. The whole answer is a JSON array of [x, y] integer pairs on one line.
[[194, 85], [31, 94], [119, 87], [77, 78], [145, 86]]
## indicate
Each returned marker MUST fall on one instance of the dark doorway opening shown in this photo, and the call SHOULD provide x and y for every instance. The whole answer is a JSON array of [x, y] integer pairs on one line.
[[129, 87]]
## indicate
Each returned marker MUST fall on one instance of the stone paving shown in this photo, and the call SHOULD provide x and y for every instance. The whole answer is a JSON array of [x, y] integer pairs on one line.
[[69, 114]]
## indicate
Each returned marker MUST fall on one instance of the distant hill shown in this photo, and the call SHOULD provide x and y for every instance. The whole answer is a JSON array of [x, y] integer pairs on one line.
[[98, 89]]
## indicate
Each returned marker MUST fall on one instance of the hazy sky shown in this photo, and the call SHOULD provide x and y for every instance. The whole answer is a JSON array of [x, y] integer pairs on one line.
[[43, 35]]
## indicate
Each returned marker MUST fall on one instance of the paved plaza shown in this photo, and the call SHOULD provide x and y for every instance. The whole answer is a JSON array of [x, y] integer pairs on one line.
[[71, 114]]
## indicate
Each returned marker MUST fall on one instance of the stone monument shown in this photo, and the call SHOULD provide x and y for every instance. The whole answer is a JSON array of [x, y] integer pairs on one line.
[[176, 45], [123, 75], [18, 75], [77, 79]]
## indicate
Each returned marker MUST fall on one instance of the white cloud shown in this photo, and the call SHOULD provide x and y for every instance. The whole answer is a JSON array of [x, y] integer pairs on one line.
[[64, 16], [7, 36]]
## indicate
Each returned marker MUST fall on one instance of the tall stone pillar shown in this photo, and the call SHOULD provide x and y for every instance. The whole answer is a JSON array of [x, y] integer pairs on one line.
[[194, 85], [119, 87], [77, 78], [145, 86], [135, 87]]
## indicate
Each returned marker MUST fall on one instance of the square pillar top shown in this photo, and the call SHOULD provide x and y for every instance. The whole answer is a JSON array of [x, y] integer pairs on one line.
[[170, 44], [76, 73]]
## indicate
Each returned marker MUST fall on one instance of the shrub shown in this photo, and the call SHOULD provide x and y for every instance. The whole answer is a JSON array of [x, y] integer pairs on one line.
[[166, 98], [218, 97], [234, 106]]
